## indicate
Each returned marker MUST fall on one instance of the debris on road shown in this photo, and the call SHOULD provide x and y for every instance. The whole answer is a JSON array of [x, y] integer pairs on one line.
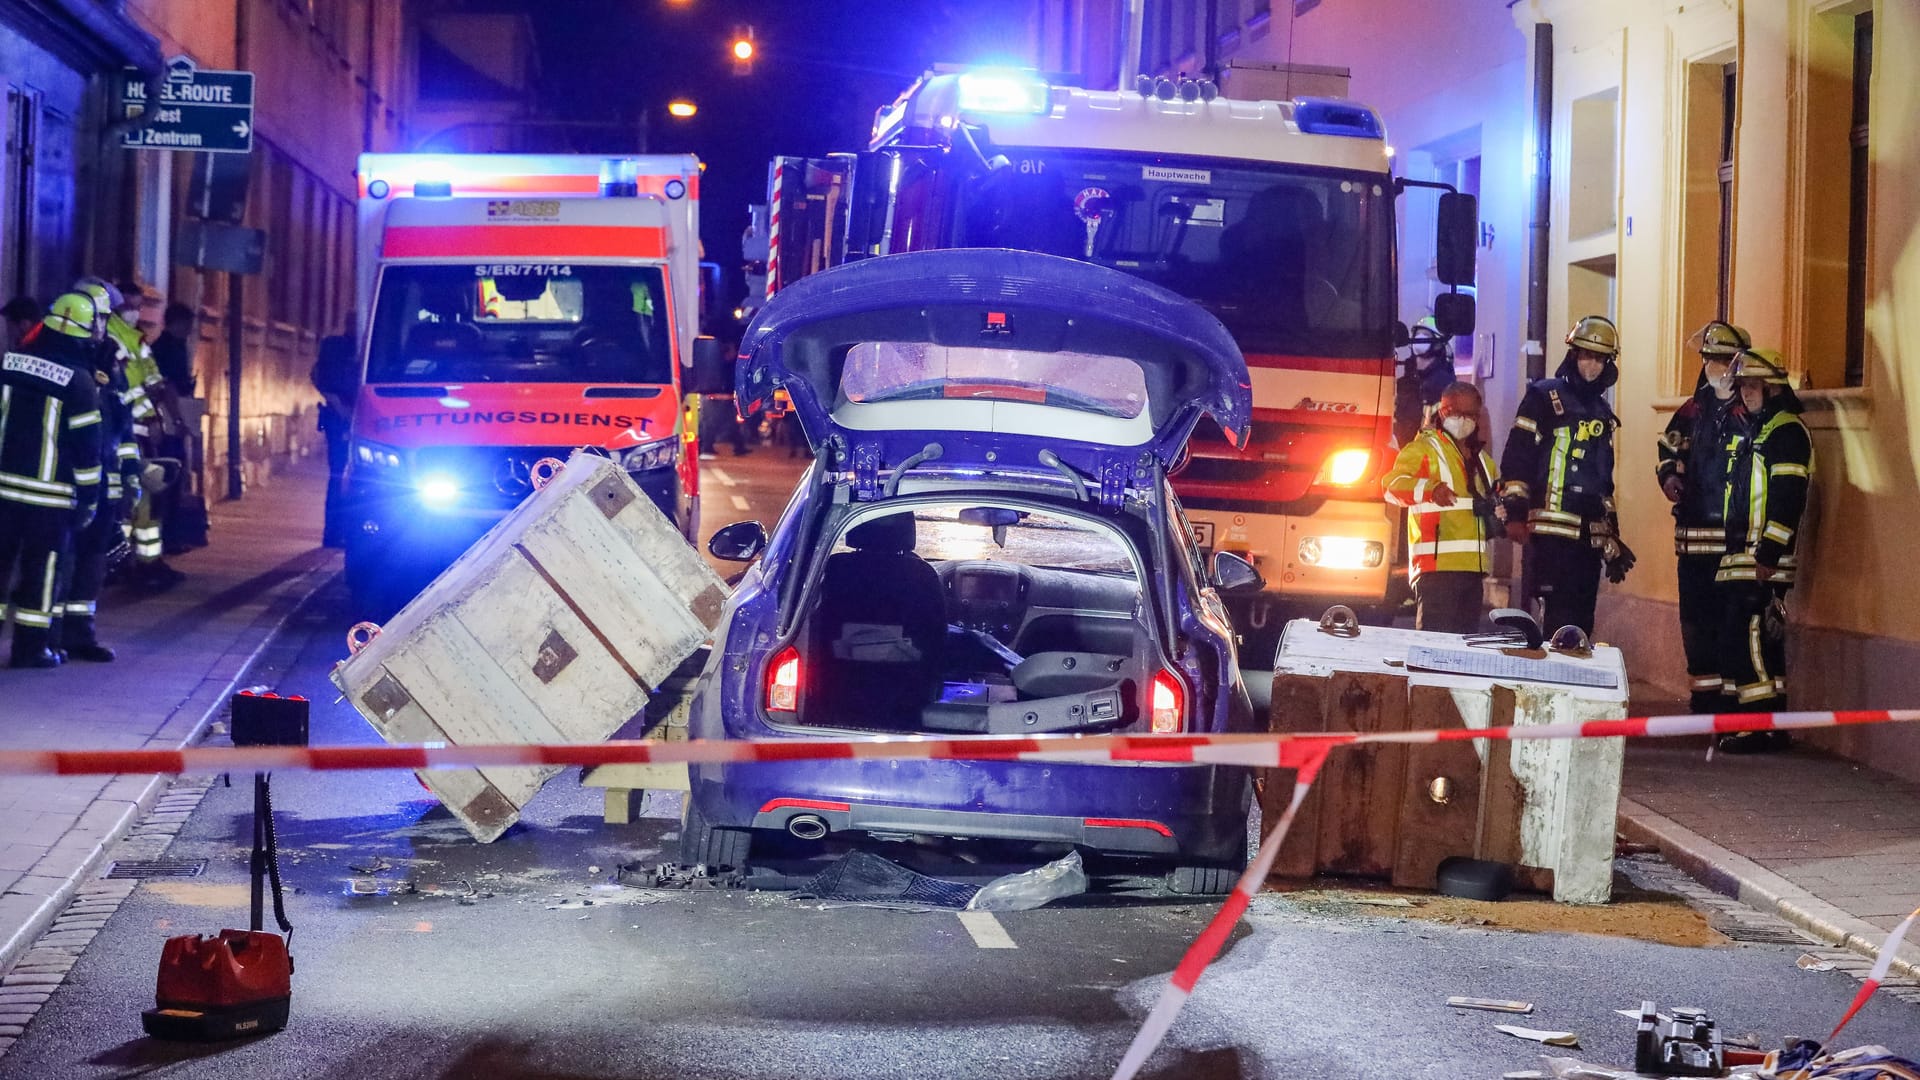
[[1490, 1004], [378, 864], [861, 877], [1034, 888], [1539, 1035], [1810, 962]]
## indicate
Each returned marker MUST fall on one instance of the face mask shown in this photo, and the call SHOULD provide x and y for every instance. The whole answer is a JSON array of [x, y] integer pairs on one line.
[[129, 316], [1460, 427], [1722, 385]]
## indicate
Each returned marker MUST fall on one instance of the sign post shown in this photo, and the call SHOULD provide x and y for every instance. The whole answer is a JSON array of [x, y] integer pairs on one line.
[[188, 109]]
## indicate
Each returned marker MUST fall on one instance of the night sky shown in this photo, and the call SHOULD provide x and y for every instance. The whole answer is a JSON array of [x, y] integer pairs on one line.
[[822, 68]]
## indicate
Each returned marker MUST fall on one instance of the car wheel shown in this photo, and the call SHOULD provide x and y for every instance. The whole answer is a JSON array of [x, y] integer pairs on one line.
[[704, 843], [1201, 880]]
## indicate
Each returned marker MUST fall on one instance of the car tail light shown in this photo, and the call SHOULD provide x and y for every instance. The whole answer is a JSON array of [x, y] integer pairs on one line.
[[1344, 468], [1169, 703], [783, 681]]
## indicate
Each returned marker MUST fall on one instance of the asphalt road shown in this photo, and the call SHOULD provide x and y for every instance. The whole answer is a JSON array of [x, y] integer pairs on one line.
[[525, 959]]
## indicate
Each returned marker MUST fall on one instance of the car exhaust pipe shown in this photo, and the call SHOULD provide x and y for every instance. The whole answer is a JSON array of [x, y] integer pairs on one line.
[[807, 826]]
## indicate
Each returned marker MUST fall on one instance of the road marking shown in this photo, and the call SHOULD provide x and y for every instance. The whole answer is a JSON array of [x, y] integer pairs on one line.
[[740, 503], [720, 474], [986, 930]]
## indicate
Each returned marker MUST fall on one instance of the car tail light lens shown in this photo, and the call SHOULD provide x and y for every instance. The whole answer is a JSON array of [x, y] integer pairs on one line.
[[1344, 468], [1168, 703], [783, 681]]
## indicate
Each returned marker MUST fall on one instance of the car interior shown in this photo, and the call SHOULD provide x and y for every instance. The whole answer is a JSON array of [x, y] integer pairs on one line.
[[984, 621]]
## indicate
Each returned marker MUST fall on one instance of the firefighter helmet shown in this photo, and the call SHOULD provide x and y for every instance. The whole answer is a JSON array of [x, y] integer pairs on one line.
[[1596, 334], [106, 295], [1426, 338], [1766, 365], [1722, 341], [74, 315]]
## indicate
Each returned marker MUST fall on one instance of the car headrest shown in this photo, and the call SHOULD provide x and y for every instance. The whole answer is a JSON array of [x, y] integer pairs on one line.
[[893, 534]]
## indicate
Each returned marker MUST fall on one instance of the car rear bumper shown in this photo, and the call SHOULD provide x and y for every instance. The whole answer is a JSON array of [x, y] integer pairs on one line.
[[1196, 812]]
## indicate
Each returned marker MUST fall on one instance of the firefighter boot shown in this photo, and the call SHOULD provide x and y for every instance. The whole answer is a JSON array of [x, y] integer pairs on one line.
[[30, 648], [80, 641]]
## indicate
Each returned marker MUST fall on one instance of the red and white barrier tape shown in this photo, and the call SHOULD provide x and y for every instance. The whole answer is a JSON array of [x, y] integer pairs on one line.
[[1302, 752], [1260, 750]]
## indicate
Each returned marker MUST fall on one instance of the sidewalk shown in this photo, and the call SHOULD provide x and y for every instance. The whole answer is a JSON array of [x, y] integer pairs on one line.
[[1829, 845], [181, 654]]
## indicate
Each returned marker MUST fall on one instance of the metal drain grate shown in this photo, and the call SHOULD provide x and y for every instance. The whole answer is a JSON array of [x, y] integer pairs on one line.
[[1771, 932], [156, 868]]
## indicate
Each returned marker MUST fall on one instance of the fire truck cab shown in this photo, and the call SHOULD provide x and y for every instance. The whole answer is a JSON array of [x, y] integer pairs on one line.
[[512, 309], [1276, 216]]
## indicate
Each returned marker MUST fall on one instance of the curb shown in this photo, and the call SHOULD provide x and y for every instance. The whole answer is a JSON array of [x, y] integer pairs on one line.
[[133, 796], [1732, 874]]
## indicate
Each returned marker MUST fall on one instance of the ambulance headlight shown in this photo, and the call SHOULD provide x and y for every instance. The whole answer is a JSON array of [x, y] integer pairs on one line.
[[437, 490], [659, 454], [376, 455]]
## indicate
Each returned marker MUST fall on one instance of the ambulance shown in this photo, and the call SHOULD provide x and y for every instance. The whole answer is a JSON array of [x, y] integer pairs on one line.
[[511, 309]]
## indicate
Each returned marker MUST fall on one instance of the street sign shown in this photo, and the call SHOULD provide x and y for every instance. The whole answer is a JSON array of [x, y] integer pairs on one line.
[[210, 111]]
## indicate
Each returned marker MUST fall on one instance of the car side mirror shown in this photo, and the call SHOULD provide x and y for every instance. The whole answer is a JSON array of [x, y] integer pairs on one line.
[[1233, 574], [1453, 313], [1456, 238], [742, 541], [708, 373], [1401, 337]]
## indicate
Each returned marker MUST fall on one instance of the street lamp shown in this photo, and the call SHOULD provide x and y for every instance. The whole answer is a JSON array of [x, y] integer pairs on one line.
[[743, 50], [681, 109]]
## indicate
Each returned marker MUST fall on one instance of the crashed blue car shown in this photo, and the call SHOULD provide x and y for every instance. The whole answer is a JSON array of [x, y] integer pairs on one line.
[[985, 543]]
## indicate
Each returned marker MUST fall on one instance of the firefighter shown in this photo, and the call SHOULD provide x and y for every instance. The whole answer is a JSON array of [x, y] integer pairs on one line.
[[155, 416], [1444, 478], [49, 463], [1692, 471], [1424, 376], [1556, 478], [93, 546], [1768, 475]]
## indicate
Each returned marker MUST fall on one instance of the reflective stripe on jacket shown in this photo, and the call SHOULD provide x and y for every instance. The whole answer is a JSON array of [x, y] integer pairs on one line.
[[1440, 537], [1768, 478]]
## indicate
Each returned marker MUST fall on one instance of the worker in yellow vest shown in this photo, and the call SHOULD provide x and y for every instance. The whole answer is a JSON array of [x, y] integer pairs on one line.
[[1444, 479]]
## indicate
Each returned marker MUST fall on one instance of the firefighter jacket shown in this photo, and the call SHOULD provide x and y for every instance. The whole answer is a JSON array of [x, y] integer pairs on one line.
[[137, 370], [1556, 473], [49, 424], [1696, 447], [1442, 537], [1416, 393], [1768, 476], [119, 447]]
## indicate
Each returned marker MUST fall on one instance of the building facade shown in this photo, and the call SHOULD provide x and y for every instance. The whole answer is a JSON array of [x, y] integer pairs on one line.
[[332, 77], [1746, 159]]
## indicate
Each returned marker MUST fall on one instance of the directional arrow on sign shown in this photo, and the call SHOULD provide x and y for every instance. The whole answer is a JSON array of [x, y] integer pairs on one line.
[[242, 128]]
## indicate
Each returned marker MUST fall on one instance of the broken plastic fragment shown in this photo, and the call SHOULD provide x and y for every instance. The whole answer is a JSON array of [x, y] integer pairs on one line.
[[1031, 888], [1550, 1038]]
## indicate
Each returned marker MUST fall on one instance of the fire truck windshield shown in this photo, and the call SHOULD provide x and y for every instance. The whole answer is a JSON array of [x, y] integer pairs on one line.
[[1292, 260], [520, 322]]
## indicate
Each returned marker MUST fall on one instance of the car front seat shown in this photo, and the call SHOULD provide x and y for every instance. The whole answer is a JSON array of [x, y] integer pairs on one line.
[[874, 650]]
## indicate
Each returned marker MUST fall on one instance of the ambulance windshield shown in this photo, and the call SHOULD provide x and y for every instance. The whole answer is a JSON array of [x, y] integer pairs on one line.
[[1292, 260], [521, 322]]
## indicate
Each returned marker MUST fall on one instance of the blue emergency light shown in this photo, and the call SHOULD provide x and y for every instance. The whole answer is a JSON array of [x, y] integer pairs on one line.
[[1334, 116]]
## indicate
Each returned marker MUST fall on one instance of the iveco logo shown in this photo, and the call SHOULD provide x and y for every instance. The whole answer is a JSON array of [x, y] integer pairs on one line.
[[513, 476], [1311, 405]]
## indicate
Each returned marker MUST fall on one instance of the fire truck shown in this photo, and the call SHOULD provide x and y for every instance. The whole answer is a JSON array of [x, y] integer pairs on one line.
[[514, 308], [1276, 216]]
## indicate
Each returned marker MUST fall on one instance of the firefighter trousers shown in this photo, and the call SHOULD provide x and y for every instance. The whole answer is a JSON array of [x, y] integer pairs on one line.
[[1566, 575], [146, 529], [32, 539], [1753, 647], [83, 574], [1702, 620], [1449, 601]]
